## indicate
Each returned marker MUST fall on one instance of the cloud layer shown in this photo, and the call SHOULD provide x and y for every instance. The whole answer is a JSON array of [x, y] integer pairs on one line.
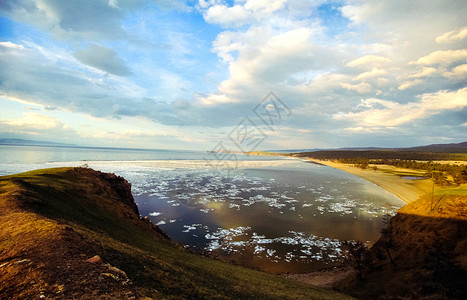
[[353, 72]]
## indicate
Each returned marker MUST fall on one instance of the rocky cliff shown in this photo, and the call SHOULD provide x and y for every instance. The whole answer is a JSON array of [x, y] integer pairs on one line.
[[75, 233], [422, 253]]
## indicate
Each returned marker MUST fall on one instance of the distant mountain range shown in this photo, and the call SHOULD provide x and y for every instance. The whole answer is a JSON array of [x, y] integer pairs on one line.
[[440, 148], [445, 148], [22, 142]]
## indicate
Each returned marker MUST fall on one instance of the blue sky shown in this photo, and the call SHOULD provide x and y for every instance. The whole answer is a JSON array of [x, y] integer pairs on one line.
[[184, 74]]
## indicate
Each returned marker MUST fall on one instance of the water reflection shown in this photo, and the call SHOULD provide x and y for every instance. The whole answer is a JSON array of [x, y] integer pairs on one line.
[[273, 214], [286, 218]]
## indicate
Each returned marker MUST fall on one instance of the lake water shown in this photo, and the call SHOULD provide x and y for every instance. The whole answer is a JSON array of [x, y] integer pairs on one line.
[[271, 213]]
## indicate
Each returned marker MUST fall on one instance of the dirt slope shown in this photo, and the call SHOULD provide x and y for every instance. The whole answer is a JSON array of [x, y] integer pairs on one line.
[[422, 253], [53, 221]]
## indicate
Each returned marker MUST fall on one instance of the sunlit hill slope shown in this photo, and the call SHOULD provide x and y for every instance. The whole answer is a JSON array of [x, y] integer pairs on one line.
[[53, 221]]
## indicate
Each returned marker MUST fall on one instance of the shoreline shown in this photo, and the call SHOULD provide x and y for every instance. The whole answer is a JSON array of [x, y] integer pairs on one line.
[[408, 190]]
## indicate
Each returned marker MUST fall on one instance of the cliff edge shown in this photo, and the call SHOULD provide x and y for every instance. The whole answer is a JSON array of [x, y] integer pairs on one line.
[[75, 233], [422, 252]]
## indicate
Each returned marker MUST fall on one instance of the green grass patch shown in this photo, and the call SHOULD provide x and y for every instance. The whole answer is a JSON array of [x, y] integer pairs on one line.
[[452, 191]]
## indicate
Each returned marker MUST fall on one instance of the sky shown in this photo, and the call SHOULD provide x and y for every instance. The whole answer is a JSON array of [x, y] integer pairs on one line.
[[236, 75]]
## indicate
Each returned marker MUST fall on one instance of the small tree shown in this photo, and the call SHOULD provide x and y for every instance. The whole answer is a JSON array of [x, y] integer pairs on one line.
[[387, 240], [363, 165], [358, 256]]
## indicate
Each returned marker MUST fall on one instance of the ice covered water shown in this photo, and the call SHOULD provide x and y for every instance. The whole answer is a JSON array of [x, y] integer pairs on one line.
[[278, 215]]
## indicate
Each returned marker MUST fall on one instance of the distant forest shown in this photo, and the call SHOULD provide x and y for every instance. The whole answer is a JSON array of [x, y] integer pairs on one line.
[[382, 154], [441, 173]]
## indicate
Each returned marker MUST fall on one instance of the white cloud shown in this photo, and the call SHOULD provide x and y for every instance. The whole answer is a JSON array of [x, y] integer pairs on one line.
[[236, 15], [264, 58], [458, 72], [382, 82], [265, 6], [362, 88], [412, 18], [368, 61], [360, 129], [102, 58], [308, 54], [426, 71], [114, 4], [384, 113], [241, 13], [11, 45], [373, 73], [215, 99], [324, 83], [37, 126], [408, 84], [452, 36], [80, 20], [444, 57], [32, 121]]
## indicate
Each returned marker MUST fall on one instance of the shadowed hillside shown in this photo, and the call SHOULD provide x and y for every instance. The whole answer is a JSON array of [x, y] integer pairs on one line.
[[53, 221], [422, 253]]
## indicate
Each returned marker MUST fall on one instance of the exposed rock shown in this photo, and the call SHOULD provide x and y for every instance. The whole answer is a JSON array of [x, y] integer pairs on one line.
[[116, 270], [95, 260], [111, 183]]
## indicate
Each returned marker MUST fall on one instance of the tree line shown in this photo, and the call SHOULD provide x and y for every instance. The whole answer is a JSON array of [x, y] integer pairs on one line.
[[381, 154], [442, 174]]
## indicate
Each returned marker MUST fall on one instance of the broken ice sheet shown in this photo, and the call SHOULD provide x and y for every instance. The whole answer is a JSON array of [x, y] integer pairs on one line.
[[307, 247], [179, 188], [188, 228]]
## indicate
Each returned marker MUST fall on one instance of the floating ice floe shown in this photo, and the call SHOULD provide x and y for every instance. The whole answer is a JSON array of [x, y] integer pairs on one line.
[[307, 247], [324, 198], [190, 184], [343, 208], [188, 228], [258, 249], [270, 252], [233, 205]]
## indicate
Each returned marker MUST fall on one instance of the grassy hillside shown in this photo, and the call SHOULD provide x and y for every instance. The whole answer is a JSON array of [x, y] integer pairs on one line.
[[422, 253], [53, 220]]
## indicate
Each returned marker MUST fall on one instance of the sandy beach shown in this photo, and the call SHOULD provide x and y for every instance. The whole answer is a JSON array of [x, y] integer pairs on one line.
[[387, 178]]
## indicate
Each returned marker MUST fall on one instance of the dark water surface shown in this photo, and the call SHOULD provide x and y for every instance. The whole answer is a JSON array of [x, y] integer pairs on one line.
[[278, 215]]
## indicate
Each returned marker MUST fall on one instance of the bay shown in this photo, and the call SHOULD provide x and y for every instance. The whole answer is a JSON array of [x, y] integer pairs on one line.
[[271, 213]]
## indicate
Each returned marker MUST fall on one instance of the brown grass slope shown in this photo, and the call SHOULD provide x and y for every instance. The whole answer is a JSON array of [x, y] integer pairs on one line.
[[422, 254], [53, 220]]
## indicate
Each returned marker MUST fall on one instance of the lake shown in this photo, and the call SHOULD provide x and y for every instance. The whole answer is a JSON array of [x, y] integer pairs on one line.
[[271, 213]]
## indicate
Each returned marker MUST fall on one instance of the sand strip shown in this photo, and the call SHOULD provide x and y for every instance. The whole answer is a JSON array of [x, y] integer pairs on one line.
[[408, 190]]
